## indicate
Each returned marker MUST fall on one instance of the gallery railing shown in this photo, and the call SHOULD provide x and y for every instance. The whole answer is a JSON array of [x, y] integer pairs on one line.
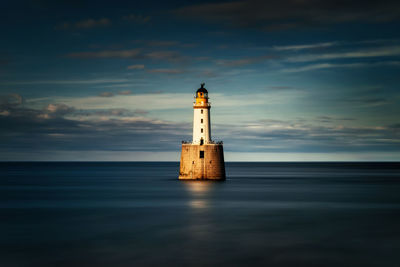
[[209, 142]]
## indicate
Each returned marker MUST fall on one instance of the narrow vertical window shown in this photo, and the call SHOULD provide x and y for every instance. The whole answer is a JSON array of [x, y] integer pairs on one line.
[[201, 120], [201, 111], [201, 130], [202, 154]]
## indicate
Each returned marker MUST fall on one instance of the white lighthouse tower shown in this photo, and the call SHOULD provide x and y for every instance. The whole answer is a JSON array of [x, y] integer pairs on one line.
[[202, 159], [201, 117]]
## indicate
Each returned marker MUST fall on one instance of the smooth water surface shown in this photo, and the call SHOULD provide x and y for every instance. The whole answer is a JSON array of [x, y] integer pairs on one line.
[[136, 214]]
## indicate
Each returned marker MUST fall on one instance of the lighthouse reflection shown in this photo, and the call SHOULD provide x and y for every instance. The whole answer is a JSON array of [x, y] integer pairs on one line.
[[198, 188], [200, 204], [199, 193]]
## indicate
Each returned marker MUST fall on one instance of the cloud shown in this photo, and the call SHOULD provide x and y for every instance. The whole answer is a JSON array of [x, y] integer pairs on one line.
[[368, 101], [90, 81], [281, 87], [4, 113], [171, 56], [162, 43], [131, 53], [158, 92], [126, 92], [61, 127], [166, 71], [377, 101], [135, 67], [309, 136], [152, 101], [112, 112], [322, 66], [331, 119], [59, 108], [86, 24], [344, 65], [106, 94], [363, 53], [208, 73], [110, 130], [139, 19], [304, 46], [291, 14], [244, 61], [10, 101], [12, 106], [56, 110]]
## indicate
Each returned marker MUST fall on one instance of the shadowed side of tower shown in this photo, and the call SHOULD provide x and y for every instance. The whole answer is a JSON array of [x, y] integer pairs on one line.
[[202, 159]]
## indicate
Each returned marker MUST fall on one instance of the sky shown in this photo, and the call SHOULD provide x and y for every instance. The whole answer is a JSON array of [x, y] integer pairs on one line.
[[288, 80]]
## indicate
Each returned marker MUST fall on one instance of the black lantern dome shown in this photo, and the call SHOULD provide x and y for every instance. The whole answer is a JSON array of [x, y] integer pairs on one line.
[[202, 89]]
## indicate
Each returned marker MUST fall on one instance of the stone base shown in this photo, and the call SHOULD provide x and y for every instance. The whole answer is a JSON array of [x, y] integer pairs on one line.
[[210, 167]]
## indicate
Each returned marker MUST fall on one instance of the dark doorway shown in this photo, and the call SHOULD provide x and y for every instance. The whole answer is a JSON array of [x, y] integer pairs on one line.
[[201, 141]]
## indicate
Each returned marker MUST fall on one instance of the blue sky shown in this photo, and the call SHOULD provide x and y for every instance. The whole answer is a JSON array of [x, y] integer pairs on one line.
[[288, 80]]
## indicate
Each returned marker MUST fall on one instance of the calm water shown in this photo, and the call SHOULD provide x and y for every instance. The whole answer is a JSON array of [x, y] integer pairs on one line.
[[135, 214]]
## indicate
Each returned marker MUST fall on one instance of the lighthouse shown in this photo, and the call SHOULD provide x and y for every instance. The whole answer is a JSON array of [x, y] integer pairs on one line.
[[202, 159]]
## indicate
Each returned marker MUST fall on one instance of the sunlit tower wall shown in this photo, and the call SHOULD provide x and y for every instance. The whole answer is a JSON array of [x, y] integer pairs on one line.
[[202, 159]]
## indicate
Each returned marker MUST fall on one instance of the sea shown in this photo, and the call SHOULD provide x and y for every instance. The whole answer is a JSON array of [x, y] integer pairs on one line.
[[140, 214]]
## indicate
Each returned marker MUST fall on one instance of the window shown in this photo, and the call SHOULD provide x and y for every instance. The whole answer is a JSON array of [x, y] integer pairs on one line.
[[201, 121], [202, 154], [201, 130], [201, 111]]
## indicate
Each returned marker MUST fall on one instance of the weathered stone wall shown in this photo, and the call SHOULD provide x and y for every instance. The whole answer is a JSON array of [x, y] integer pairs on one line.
[[211, 167]]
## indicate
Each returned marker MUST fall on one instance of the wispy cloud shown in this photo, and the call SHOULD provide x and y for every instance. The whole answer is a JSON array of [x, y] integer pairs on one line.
[[157, 100], [167, 71], [344, 65], [362, 53], [164, 43], [243, 61], [309, 136], [290, 14], [135, 67], [137, 53], [172, 56], [90, 81], [332, 119], [86, 24], [281, 87], [136, 18], [126, 92], [55, 110], [106, 94], [131, 53], [112, 130], [93, 114], [304, 46], [161, 43], [64, 127], [87, 124], [368, 101], [11, 100]]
